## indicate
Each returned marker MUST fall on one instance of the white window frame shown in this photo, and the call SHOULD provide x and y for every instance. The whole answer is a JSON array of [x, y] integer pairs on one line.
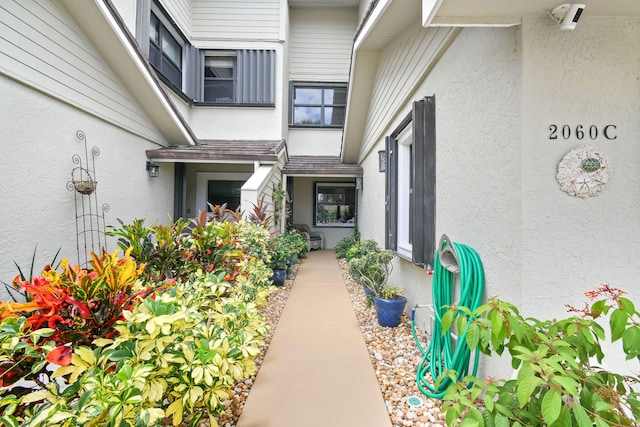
[[405, 192]]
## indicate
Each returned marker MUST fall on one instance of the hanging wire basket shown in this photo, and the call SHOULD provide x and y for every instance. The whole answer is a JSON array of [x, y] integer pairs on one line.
[[83, 182]]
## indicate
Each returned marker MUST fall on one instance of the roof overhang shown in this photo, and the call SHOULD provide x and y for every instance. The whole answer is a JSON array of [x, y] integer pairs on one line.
[[105, 29], [386, 19], [321, 166], [210, 151]]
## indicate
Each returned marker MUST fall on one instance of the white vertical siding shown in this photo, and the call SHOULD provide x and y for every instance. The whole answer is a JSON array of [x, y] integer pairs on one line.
[[402, 64], [236, 20], [41, 46], [180, 11], [321, 41]]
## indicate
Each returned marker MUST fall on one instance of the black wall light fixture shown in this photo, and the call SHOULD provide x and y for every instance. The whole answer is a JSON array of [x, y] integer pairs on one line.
[[153, 169]]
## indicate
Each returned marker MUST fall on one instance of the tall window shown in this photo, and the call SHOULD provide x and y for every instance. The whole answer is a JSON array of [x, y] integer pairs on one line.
[[165, 51], [405, 192], [318, 105], [410, 185], [239, 76], [219, 78]]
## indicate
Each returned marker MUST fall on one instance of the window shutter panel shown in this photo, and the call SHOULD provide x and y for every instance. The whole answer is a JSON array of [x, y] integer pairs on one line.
[[391, 198], [424, 143], [255, 75]]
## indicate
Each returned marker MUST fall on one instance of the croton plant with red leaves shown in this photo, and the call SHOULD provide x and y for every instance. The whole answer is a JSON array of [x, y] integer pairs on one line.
[[77, 305]]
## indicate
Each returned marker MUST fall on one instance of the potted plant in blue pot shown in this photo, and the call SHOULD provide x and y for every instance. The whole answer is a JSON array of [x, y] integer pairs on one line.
[[280, 253], [372, 269]]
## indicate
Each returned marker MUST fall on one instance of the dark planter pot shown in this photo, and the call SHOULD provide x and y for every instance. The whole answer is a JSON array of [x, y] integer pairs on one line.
[[279, 276], [389, 311]]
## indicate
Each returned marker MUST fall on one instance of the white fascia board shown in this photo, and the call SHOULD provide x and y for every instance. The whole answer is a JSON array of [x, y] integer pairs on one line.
[[371, 22], [465, 21], [259, 179], [429, 10]]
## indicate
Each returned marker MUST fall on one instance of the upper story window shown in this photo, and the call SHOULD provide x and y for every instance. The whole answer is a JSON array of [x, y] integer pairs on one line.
[[219, 78], [229, 77], [166, 48], [244, 76], [318, 105], [410, 185]]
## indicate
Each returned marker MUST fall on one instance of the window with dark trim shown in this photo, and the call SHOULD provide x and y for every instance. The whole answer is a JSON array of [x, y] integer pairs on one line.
[[166, 48], [411, 184], [244, 76], [318, 104], [229, 77], [335, 204]]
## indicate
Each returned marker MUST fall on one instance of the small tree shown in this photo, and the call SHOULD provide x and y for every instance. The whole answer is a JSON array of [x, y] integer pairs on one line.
[[559, 380]]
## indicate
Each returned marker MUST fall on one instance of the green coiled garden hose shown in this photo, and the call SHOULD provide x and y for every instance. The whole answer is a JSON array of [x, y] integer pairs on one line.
[[441, 356]]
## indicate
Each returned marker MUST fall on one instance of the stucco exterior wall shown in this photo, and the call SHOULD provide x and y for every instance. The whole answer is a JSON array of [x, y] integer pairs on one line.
[[314, 142], [590, 77], [498, 91], [37, 145]]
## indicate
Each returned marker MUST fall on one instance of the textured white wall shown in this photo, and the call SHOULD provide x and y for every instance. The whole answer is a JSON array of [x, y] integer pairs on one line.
[[589, 76], [497, 92], [314, 142], [37, 147]]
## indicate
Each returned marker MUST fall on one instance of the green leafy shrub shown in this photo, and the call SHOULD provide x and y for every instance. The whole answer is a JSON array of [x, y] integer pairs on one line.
[[298, 242], [280, 251], [560, 381], [176, 358], [371, 266], [343, 245], [127, 360]]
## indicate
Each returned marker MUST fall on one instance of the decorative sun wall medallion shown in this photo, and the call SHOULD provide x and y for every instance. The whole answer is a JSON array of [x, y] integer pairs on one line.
[[583, 172]]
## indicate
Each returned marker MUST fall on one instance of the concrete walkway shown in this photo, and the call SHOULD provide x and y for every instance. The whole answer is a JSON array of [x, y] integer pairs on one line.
[[317, 370]]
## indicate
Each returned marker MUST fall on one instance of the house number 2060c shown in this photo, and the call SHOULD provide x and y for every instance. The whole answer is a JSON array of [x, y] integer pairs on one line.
[[581, 132]]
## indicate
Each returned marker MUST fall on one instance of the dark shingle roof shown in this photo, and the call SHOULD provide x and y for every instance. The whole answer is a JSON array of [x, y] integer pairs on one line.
[[320, 165], [215, 150]]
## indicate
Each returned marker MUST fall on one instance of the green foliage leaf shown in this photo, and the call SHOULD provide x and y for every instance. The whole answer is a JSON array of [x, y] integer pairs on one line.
[[568, 384], [618, 323], [9, 421], [527, 383], [473, 336], [627, 306], [551, 406], [447, 321], [631, 342], [598, 307], [501, 420], [581, 416]]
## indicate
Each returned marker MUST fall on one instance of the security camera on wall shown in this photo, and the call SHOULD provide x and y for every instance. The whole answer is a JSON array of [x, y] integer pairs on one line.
[[567, 15]]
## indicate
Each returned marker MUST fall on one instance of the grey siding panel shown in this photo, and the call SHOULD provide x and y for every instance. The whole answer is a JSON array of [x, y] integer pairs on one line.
[[236, 20], [256, 79], [41, 46], [321, 42], [402, 65]]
